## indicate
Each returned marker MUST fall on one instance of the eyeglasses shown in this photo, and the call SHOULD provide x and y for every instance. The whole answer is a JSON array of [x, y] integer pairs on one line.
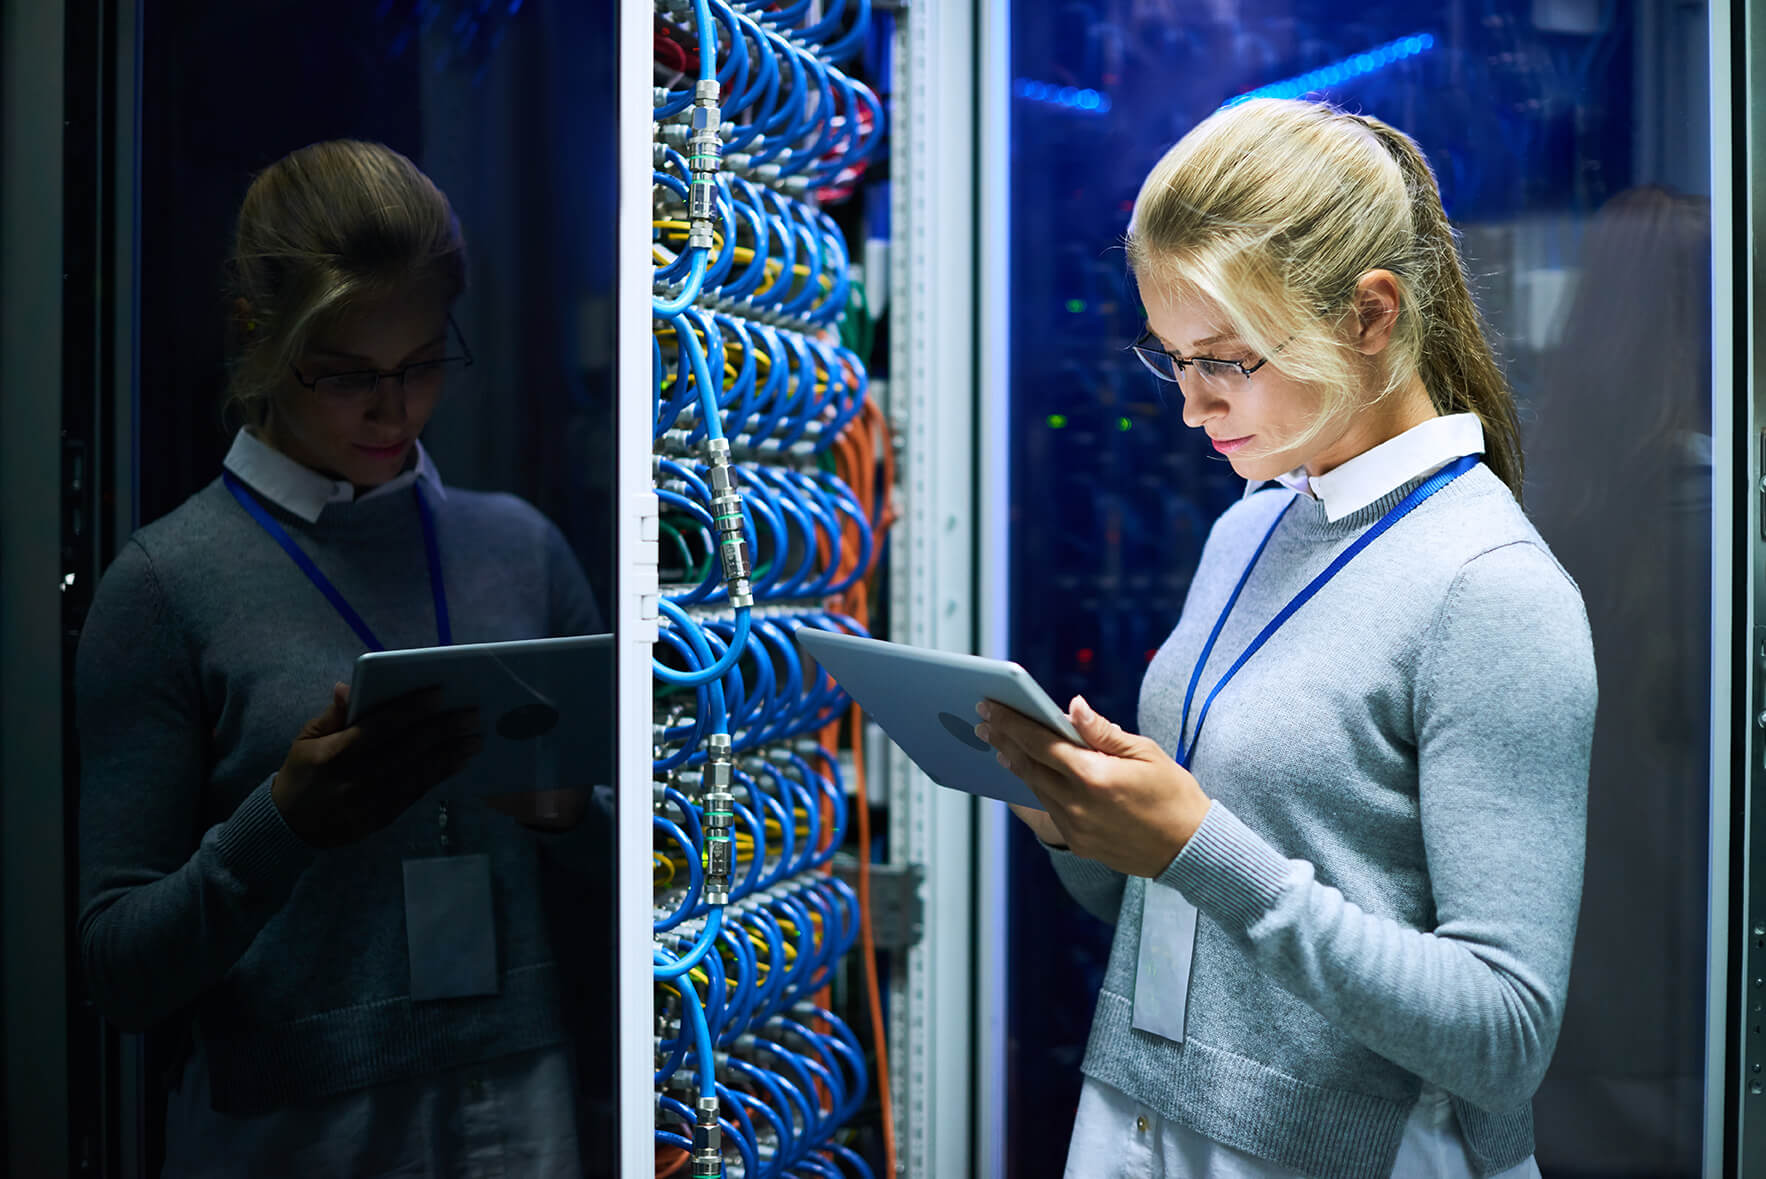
[[426, 376], [1168, 367]]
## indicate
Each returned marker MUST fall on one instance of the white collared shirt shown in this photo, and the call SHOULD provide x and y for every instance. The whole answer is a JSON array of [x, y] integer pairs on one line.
[[1419, 451], [302, 490]]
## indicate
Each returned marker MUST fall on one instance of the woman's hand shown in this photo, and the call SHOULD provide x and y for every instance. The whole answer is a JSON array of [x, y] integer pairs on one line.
[[1123, 802], [341, 784], [1039, 822]]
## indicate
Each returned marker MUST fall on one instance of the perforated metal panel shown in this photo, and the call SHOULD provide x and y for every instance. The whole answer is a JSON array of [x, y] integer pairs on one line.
[[930, 399]]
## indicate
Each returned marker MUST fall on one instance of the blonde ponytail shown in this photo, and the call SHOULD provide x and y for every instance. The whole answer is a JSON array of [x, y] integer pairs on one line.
[[1273, 209], [1457, 365]]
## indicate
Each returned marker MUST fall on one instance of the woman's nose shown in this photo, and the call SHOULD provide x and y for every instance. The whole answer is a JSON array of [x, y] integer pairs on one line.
[[389, 400], [1201, 405]]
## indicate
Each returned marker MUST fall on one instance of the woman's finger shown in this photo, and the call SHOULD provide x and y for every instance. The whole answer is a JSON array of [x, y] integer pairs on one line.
[[1049, 785], [1040, 743]]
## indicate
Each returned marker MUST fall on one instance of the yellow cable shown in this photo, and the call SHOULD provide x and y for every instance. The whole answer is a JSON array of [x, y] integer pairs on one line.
[[743, 254]]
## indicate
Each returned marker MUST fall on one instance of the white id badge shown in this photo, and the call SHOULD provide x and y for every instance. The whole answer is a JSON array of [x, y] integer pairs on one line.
[[450, 927], [1162, 970]]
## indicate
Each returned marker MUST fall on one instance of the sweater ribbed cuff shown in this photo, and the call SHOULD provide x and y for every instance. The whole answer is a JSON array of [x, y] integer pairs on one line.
[[258, 848], [1228, 871], [1079, 872]]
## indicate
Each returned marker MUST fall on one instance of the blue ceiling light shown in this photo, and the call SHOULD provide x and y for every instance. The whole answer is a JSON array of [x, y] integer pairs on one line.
[[1339, 72]]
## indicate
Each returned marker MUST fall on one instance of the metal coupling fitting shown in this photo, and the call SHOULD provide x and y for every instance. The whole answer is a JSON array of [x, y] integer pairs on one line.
[[705, 149], [726, 510], [719, 814], [716, 887], [717, 819], [708, 1152]]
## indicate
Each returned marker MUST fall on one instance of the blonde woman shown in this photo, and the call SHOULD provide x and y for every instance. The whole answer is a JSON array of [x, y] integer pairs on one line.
[[361, 954], [1344, 861]]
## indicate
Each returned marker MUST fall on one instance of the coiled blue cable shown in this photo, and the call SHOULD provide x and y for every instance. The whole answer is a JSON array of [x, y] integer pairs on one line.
[[667, 968]]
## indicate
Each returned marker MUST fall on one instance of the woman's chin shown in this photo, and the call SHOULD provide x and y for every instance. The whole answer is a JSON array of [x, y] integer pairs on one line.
[[1251, 468], [367, 469]]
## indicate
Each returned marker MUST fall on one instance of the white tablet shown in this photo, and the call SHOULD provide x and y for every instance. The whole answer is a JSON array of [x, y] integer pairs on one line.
[[546, 706], [925, 700]]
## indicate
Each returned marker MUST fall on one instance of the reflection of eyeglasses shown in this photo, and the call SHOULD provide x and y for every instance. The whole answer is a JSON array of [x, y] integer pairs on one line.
[[426, 376], [1167, 366]]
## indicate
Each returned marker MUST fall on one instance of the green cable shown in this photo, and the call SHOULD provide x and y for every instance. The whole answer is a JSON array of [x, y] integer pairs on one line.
[[694, 574], [680, 542], [866, 331]]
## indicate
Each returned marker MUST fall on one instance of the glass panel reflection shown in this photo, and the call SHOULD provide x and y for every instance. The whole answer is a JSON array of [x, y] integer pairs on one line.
[[356, 960]]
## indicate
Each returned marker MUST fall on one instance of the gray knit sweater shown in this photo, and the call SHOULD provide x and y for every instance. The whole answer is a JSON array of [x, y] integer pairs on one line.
[[205, 651], [1390, 873]]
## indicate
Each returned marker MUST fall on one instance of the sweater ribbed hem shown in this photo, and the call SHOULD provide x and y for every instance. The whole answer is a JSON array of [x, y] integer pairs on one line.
[[1328, 1133], [260, 1067], [1245, 1104], [1228, 871], [257, 847]]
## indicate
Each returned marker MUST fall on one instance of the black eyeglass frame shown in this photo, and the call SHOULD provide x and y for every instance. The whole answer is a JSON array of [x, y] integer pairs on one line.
[[399, 373], [1146, 354]]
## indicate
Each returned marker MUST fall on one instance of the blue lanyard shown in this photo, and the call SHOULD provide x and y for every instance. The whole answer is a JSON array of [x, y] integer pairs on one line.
[[431, 550], [1399, 510]]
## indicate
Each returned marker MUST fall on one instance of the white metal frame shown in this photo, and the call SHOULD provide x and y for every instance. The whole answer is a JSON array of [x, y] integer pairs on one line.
[[636, 593], [1726, 712], [932, 374], [993, 429]]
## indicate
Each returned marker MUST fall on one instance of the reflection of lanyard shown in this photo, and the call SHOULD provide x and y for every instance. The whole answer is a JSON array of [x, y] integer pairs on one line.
[[1399, 510], [280, 535]]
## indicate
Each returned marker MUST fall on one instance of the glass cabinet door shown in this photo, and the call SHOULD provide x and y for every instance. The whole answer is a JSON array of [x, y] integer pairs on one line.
[[1571, 140]]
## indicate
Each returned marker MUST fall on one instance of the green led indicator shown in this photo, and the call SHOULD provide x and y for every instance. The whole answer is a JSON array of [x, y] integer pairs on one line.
[[1076, 305], [1124, 424], [1057, 420]]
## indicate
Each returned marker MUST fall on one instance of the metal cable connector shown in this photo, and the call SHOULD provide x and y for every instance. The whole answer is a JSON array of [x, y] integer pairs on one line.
[[726, 511], [718, 818], [705, 148], [708, 1150]]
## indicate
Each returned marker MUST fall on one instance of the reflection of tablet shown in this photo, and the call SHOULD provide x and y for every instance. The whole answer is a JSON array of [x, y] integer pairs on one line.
[[546, 705], [925, 700]]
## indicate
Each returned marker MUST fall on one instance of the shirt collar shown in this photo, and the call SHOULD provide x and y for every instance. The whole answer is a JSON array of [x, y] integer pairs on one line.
[[1421, 450], [304, 491]]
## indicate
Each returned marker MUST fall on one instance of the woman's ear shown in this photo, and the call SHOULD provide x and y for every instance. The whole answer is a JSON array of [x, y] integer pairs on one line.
[[1376, 311]]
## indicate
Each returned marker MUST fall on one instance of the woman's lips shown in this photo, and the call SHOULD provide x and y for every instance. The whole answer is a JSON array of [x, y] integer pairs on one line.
[[383, 451], [1228, 445]]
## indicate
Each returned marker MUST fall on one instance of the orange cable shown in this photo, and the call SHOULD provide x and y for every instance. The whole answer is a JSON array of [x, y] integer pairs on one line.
[[856, 451], [868, 941]]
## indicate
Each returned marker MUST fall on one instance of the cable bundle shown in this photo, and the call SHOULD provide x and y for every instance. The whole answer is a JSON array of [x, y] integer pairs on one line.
[[772, 518]]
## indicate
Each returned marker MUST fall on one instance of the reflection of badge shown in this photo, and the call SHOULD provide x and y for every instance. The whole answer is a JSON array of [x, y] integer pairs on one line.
[[450, 927], [1162, 969]]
